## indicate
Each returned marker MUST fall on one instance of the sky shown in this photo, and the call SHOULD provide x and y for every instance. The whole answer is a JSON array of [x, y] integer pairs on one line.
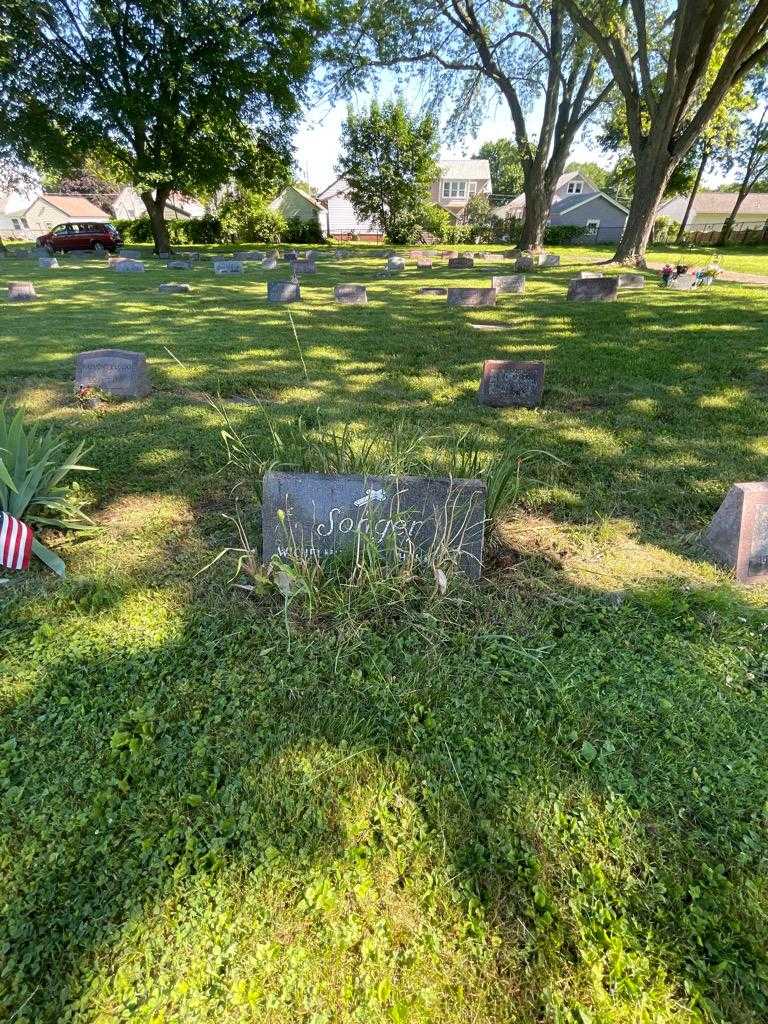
[[317, 141]]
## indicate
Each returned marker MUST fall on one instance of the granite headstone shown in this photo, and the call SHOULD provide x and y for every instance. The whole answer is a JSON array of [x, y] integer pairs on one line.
[[631, 281], [270, 263], [114, 370], [461, 263], [125, 266], [737, 537], [431, 290], [48, 263], [682, 283], [313, 515], [507, 382], [595, 289], [21, 291], [283, 291], [227, 266], [509, 283], [471, 296], [178, 265], [350, 294], [304, 266], [175, 288], [395, 263]]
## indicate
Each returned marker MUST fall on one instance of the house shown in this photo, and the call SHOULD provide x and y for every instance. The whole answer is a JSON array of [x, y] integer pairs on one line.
[[578, 202], [296, 204], [710, 210], [50, 209], [341, 221], [13, 222], [459, 181], [128, 205]]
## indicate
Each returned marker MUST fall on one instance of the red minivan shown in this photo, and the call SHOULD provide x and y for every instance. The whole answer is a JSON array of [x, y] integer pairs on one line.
[[79, 236]]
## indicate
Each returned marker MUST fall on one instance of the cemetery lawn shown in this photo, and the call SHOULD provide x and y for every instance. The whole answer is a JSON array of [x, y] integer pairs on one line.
[[540, 798]]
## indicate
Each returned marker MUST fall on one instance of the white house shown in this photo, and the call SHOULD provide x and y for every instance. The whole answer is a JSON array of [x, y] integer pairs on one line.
[[340, 219], [711, 208], [50, 209]]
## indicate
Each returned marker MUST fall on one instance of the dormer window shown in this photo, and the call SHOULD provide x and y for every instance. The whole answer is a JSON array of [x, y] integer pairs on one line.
[[454, 189], [575, 188]]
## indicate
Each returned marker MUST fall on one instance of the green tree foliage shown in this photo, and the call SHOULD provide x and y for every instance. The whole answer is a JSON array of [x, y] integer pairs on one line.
[[246, 217], [598, 175], [389, 160], [172, 95], [674, 65], [479, 219], [752, 158], [507, 178]]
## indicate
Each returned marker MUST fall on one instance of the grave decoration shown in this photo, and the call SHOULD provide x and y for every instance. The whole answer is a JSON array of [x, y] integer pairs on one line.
[[631, 281], [508, 382], [431, 290], [432, 520], [227, 267], [21, 291], [514, 283], [123, 266], [350, 294], [175, 288], [461, 263], [595, 289], [48, 263], [472, 297], [737, 537], [283, 291], [114, 371]]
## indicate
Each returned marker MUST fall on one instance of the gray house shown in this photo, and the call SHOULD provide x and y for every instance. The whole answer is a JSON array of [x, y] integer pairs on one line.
[[578, 202]]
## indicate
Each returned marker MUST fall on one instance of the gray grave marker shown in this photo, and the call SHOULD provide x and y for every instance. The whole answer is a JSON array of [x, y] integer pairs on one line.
[[269, 264], [290, 255], [599, 289], [631, 281], [395, 263], [549, 259], [252, 257], [175, 288], [303, 266], [507, 382], [130, 254], [128, 266], [433, 291], [283, 291], [227, 267], [423, 264], [309, 514], [350, 294], [21, 291], [48, 263], [471, 296], [114, 370], [178, 265], [524, 263], [461, 263], [738, 534], [586, 275], [682, 283], [510, 283]]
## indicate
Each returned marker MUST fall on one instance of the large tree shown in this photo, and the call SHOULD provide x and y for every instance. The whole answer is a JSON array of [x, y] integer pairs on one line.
[[525, 52], [674, 63], [389, 160], [172, 95]]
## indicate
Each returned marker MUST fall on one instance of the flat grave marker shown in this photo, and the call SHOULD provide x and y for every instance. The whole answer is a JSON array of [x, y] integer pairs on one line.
[[508, 382], [313, 515], [432, 290], [472, 297], [178, 265], [129, 254], [509, 283], [253, 256], [175, 288], [123, 266], [283, 291], [631, 282], [593, 289], [682, 283], [587, 275], [350, 294], [116, 371], [21, 291], [48, 263], [737, 537]]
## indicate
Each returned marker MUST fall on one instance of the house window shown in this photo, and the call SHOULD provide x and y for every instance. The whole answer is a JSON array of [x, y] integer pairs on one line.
[[473, 188], [454, 189], [575, 187], [16, 224], [593, 226]]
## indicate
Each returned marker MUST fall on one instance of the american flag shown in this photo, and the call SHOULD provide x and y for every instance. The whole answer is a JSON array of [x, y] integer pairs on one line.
[[15, 542]]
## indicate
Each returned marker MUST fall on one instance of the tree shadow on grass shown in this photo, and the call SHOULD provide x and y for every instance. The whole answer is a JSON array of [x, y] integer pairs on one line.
[[582, 783]]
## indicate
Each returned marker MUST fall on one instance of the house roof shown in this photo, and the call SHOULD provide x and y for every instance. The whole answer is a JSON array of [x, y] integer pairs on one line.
[[478, 169], [722, 202], [570, 202], [307, 196], [565, 205], [332, 190], [72, 206]]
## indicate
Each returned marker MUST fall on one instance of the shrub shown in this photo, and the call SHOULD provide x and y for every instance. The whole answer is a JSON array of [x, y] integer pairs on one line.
[[138, 230], [302, 232], [665, 229], [246, 217], [479, 220], [562, 234], [32, 468], [435, 221]]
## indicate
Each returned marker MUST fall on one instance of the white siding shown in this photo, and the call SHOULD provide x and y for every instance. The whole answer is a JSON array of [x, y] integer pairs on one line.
[[342, 218]]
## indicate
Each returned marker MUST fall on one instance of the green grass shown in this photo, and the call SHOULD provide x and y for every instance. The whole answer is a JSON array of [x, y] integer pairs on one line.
[[540, 798]]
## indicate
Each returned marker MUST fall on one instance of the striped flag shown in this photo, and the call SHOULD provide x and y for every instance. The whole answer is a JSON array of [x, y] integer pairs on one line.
[[15, 542]]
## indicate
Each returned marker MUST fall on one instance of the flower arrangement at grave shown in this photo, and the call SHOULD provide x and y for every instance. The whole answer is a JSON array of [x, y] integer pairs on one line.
[[89, 396], [667, 273], [33, 468]]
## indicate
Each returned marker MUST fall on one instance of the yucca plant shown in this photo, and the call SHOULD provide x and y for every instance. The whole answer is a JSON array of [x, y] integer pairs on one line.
[[32, 470]]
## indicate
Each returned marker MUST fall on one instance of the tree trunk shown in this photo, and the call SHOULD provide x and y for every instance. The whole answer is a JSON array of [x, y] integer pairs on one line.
[[538, 201], [727, 229], [694, 192], [155, 206], [652, 173]]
